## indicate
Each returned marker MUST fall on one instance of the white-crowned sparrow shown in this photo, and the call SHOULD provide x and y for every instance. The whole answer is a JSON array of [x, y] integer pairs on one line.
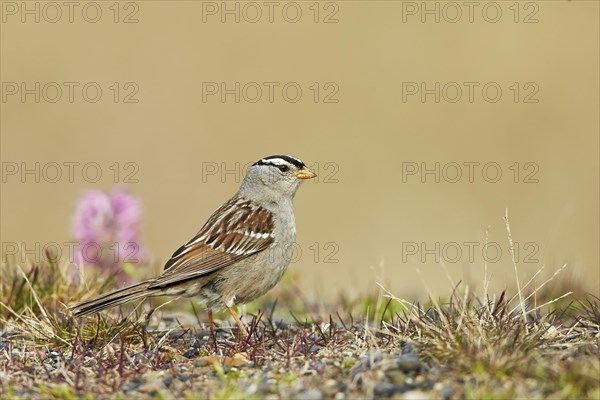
[[240, 253]]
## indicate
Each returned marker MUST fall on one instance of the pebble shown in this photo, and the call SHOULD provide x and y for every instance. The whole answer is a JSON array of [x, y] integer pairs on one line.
[[416, 395], [133, 384], [150, 388], [387, 390], [446, 392], [331, 387], [396, 377], [330, 383], [408, 362], [252, 389], [193, 352], [383, 389], [312, 394]]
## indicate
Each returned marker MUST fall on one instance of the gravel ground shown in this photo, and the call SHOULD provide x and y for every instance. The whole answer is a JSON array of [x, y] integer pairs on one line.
[[280, 360]]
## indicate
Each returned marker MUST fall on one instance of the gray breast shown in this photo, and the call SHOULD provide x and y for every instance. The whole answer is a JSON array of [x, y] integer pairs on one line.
[[254, 276]]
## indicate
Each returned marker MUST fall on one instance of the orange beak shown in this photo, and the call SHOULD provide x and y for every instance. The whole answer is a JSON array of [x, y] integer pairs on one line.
[[305, 173]]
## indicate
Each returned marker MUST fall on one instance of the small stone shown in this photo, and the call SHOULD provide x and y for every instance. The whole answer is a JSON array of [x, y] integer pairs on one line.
[[383, 389], [331, 387], [330, 383], [416, 395], [150, 388], [407, 363], [53, 354], [193, 352], [271, 382], [446, 392], [396, 377], [133, 384], [252, 389], [200, 362], [237, 360], [312, 394]]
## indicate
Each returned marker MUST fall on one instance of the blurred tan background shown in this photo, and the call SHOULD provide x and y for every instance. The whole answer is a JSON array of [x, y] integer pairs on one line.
[[369, 219]]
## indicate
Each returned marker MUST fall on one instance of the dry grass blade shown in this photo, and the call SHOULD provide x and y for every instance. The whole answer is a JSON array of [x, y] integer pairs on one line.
[[514, 262]]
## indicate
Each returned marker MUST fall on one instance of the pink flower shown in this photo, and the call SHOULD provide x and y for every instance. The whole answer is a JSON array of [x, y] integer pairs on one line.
[[106, 228]]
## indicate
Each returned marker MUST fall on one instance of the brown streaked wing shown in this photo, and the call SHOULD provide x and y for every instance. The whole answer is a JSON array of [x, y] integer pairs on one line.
[[235, 231], [199, 261]]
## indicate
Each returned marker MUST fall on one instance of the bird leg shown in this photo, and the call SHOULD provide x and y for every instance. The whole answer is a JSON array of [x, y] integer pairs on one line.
[[238, 321], [212, 328]]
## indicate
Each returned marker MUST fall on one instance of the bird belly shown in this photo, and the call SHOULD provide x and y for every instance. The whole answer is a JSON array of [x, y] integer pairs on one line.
[[254, 276]]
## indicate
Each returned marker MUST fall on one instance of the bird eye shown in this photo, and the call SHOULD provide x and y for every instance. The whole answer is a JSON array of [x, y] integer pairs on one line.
[[283, 168]]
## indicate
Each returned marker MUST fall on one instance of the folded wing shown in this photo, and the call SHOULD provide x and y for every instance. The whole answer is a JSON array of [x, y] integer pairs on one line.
[[235, 231]]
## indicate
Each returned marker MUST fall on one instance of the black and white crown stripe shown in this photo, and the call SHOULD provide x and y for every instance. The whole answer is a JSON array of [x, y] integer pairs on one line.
[[281, 160]]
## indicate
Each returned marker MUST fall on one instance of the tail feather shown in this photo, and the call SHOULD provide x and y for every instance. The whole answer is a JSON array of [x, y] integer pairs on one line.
[[113, 299]]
